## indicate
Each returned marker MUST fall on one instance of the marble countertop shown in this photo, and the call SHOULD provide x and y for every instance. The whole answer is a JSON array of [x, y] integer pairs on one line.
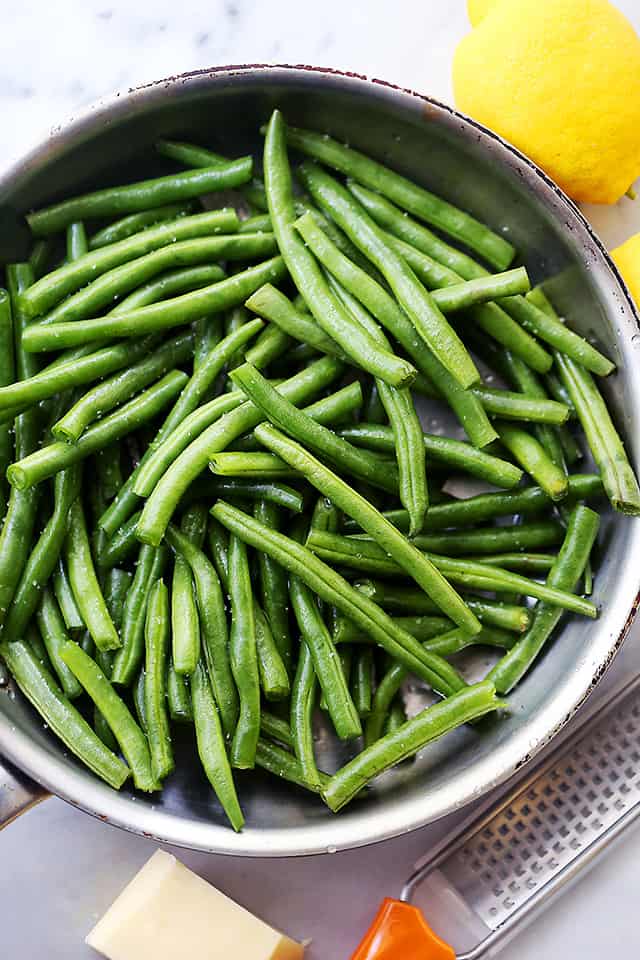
[[54, 59]]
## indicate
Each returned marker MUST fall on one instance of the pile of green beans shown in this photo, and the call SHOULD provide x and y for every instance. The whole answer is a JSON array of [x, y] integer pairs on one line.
[[209, 437]]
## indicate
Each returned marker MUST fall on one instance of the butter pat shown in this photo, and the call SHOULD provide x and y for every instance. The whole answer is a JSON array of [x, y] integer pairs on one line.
[[168, 912]]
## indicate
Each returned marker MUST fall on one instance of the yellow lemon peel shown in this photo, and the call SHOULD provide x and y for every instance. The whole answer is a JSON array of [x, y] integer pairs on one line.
[[560, 79], [627, 259]]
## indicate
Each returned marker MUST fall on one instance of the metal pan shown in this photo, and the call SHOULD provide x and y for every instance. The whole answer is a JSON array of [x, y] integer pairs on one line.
[[438, 147]]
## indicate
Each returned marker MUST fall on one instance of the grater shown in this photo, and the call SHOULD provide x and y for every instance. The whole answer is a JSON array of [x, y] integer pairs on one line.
[[484, 884]]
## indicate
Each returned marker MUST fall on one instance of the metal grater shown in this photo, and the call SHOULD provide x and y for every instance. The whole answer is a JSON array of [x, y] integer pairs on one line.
[[488, 882]]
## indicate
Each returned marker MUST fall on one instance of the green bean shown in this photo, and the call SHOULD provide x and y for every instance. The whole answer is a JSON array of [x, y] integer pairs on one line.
[[318, 437], [325, 661], [214, 628], [335, 590], [211, 746], [40, 255], [390, 596], [515, 406], [54, 286], [208, 332], [307, 275], [487, 506], [423, 312], [282, 764], [175, 312], [186, 467], [569, 565], [20, 514], [278, 494], [139, 701], [523, 562], [157, 648], [395, 718], [134, 222], [441, 214], [303, 695], [387, 311], [60, 716], [54, 636], [7, 376], [367, 556], [608, 451], [121, 387], [132, 740], [103, 731], [275, 728], [455, 453], [64, 595], [525, 536], [432, 723], [77, 244], [109, 471], [274, 591], [362, 681], [189, 154], [169, 284], [265, 465], [120, 546], [273, 305], [260, 223], [418, 245], [243, 655], [136, 197], [271, 344], [47, 461], [117, 583], [178, 696], [74, 372], [185, 622], [533, 458], [128, 659], [373, 410], [43, 556], [84, 583], [421, 627]]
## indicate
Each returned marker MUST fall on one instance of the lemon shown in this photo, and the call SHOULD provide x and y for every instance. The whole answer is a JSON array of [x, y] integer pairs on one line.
[[627, 260], [560, 79]]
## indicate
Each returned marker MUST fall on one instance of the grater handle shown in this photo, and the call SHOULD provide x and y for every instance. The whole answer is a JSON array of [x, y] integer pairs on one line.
[[400, 932]]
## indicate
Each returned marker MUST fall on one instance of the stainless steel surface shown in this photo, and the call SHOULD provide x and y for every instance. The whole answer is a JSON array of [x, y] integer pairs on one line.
[[462, 161], [520, 854], [18, 793]]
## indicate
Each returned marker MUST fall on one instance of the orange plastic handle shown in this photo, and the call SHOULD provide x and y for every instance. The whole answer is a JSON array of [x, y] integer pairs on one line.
[[400, 932]]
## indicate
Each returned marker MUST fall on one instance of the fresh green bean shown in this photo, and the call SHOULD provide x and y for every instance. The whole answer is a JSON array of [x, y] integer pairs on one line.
[[259, 464], [275, 728], [40, 255], [135, 197], [7, 376], [68, 278], [283, 764], [618, 477], [120, 547], [259, 223], [271, 343], [175, 312], [274, 591], [278, 494], [121, 387], [139, 701], [454, 453], [273, 305], [335, 590], [533, 458], [54, 636], [117, 583], [155, 692], [432, 723], [109, 471], [423, 312], [303, 695], [421, 627], [178, 696], [243, 655], [373, 410], [47, 461], [132, 740], [211, 746], [307, 275], [362, 680], [103, 731], [208, 332], [40, 688], [195, 457], [185, 623], [134, 222], [390, 596], [531, 563], [66, 601], [525, 536], [77, 243], [569, 565], [169, 284], [84, 582], [516, 406], [441, 214], [43, 556], [214, 628], [128, 659], [369, 557]]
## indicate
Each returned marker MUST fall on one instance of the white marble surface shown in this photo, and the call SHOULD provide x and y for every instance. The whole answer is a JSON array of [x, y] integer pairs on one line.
[[59, 868]]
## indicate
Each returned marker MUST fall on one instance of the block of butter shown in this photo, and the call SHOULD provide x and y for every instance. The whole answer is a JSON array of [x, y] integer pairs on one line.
[[168, 912]]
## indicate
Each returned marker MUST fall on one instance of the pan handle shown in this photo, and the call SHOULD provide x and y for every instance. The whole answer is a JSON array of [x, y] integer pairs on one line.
[[18, 793]]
